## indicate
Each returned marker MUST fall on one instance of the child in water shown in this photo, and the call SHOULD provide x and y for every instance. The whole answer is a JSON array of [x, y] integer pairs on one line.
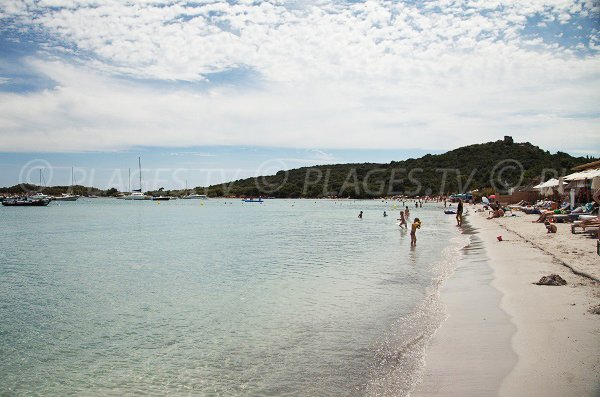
[[402, 220], [360, 215], [407, 213], [413, 232]]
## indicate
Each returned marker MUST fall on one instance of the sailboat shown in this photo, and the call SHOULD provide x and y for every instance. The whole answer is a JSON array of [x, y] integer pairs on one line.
[[67, 196], [136, 194], [193, 196], [40, 195]]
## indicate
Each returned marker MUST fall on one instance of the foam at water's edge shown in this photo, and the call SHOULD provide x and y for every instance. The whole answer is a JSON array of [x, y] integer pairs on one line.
[[400, 356]]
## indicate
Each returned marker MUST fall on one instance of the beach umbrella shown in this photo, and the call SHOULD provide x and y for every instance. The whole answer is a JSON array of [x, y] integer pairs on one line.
[[583, 175], [561, 187], [492, 196]]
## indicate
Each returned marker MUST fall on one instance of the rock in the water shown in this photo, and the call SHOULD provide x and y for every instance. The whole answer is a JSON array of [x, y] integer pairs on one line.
[[553, 279]]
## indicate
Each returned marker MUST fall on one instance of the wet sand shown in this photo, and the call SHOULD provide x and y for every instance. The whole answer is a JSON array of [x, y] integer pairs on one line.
[[505, 335]]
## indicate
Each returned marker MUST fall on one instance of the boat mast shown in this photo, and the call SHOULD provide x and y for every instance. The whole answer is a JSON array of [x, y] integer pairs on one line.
[[140, 167], [129, 180]]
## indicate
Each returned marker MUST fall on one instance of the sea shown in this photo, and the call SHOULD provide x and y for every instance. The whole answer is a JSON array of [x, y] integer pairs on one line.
[[219, 297]]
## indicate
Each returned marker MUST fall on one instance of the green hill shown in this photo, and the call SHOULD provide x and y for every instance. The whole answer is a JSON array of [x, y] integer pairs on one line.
[[497, 165], [26, 188]]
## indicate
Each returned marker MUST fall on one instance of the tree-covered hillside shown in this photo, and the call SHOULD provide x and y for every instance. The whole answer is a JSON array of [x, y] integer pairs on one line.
[[498, 165]]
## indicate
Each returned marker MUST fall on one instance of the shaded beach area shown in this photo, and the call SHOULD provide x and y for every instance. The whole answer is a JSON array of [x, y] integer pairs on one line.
[[504, 335]]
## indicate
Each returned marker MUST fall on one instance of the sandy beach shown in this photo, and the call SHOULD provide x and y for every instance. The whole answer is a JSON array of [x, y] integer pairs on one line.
[[506, 336]]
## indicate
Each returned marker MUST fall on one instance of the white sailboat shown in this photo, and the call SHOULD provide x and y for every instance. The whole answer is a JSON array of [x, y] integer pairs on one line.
[[137, 194], [193, 196], [67, 196], [40, 195]]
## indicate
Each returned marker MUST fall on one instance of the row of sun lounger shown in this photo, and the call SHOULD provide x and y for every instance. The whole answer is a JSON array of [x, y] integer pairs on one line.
[[541, 206]]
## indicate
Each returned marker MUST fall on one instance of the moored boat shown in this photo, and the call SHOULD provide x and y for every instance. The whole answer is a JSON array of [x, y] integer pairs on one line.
[[67, 197], [195, 197], [25, 202], [252, 200], [40, 196], [137, 196], [161, 198]]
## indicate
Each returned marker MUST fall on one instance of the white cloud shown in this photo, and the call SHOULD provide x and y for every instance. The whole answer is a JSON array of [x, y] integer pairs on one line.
[[377, 74]]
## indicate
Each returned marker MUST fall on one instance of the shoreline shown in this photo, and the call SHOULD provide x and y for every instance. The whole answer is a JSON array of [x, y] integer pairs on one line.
[[505, 335]]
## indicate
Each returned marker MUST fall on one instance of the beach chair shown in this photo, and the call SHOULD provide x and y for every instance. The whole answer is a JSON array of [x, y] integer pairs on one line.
[[587, 209], [587, 224]]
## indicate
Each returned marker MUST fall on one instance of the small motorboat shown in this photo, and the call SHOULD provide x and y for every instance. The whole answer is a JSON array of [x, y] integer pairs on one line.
[[25, 202], [161, 198], [251, 200], [67, 197], [195, 197]]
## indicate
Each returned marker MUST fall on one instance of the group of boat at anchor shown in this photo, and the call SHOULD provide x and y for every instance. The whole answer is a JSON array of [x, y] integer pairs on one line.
[[136, 194], [40, 199]]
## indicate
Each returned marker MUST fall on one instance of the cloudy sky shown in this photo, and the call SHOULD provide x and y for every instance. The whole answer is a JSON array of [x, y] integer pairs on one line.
[[305, 81]]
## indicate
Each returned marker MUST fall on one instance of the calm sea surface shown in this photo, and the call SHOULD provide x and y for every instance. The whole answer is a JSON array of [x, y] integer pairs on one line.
[[218, 297]]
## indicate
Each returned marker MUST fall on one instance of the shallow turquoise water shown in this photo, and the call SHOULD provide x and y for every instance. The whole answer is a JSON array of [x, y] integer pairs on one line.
[[217, 298]]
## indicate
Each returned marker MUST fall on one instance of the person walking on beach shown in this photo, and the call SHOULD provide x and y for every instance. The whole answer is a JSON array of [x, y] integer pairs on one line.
[[413, 232], [459, 212], [360, 215]]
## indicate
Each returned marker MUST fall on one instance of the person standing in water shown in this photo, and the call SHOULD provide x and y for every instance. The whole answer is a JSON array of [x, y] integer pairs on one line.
[[384, 214], [407, 213], [402, 220], [413, 232], [459, 212], [360, 215]]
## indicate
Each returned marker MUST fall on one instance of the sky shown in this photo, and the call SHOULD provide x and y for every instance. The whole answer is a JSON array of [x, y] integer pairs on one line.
[[234, 85]]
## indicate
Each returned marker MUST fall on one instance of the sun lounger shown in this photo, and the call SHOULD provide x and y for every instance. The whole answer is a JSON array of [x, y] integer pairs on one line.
[[530, 210], [517, 206], [560, 218], [574, 216], [587, 224]]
